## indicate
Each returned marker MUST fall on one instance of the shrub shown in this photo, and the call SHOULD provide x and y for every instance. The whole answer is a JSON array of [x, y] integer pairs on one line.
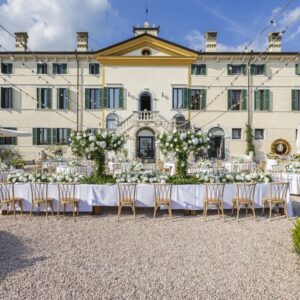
[[296, 236], [96, 179]]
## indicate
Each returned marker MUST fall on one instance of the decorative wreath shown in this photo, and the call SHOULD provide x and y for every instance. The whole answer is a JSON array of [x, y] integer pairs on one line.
[[280, 147]]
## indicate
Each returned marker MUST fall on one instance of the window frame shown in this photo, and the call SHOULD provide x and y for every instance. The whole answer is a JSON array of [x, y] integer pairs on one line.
[[4, 100], [113, 100], [93, 69], [176, 91], [239, 136], [6, 68], [263, 133], [43, 67]]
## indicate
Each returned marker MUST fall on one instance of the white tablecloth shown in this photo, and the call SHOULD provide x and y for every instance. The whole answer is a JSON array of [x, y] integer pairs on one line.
[[294, 180], [183, 196]]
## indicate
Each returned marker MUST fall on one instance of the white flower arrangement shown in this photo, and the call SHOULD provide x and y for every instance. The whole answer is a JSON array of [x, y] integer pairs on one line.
[[141, 177], [183, 142], [40, 177], [88, 143], [234, 178]]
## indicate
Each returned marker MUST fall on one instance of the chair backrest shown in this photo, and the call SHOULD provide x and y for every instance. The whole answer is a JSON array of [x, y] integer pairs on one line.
[[82, 170], [247, 167], [66, 191], [3, 176], [214, 191], [127, 191], [278, 190], [6, 191], [246, 191], [276, 176], [39, 190], [162, 192]]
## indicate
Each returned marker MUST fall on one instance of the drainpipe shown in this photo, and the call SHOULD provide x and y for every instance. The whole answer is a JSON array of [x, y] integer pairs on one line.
[[77, 92], [249, 94]]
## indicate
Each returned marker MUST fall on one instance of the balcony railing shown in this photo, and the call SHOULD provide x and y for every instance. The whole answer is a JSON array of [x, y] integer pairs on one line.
[[145, 115]]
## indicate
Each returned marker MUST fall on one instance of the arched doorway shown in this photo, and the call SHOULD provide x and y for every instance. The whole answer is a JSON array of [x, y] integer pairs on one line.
[[145, 103], [145, 144], [217, 149]]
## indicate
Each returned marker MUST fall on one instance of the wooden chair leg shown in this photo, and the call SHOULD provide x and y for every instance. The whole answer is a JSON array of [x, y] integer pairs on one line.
[[14, 207], [155, 209], [204, 211], [38, 208], [222, 209], [285, 209], [58, 209], [238, 212], [30, 215], [133, 210], [119, 211], [270, 205], [47, 203], [253, 209], [170, 212], [263, 209], [21, 207]]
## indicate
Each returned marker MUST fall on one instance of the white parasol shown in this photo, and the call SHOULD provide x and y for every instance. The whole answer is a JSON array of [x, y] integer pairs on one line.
[[12, 133]]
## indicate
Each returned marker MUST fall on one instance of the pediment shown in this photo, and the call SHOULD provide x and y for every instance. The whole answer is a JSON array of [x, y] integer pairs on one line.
[[130, 51]]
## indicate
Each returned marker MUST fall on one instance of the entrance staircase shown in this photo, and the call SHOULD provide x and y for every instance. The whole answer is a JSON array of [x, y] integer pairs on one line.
[[143, 119]]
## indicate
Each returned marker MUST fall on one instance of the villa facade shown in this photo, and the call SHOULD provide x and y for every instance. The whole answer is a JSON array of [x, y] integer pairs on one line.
[[146, 85]]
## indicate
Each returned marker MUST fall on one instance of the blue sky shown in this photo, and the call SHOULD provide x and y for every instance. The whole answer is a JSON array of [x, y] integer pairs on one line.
[[52, 24]]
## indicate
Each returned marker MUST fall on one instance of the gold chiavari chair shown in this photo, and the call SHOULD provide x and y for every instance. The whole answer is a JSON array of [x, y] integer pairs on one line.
[[245, 197], [7, 197], [127, 197], [159, 166], [276, 176], [261, 166], [51, 167], [3, 176], [39, 193], [214, 193], [162, 196], [277, 195], [66, 197]]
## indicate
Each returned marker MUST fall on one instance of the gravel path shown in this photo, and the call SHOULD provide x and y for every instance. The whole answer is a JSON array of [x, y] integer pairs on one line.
[[98, 258]]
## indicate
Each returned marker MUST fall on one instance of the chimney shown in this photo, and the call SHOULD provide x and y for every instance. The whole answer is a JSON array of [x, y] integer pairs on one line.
[[211, 41], [274, 42], [21, 41], [82, 41]]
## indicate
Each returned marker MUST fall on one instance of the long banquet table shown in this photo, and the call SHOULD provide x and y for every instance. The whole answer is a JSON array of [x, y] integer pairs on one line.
[[189, 197]]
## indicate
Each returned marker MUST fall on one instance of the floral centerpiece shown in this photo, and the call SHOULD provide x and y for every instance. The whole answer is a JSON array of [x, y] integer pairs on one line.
[[42, 177], [295, 158], [96, 146], [182, 144]]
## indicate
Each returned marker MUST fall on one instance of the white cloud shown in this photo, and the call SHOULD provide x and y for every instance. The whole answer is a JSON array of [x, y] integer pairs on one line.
[[291, 19], [52, 24]]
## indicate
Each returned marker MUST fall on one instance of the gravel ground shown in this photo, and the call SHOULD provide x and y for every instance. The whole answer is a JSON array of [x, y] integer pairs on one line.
[[99, 258]]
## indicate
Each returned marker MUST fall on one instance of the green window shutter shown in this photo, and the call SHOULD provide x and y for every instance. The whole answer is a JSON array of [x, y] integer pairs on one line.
[[203, 70], [34, 136], [229, 99], [244, 69], [38, 98], [65, 68], [193, 69], [297, 69], [229, 69], [49, 98], [121, 91], [49, 136], [66, 100], [293, 99], [9, 68], [54, 136], [266, 99], [54, 68], [57, 97], [256, 100], [265, 69], [87, 98], [68, 133], [203, 99], [101, 92], [97, 69], [252, 70], [10, 98], [105, 95], [90, 68], [186, 98], [244, 100]]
